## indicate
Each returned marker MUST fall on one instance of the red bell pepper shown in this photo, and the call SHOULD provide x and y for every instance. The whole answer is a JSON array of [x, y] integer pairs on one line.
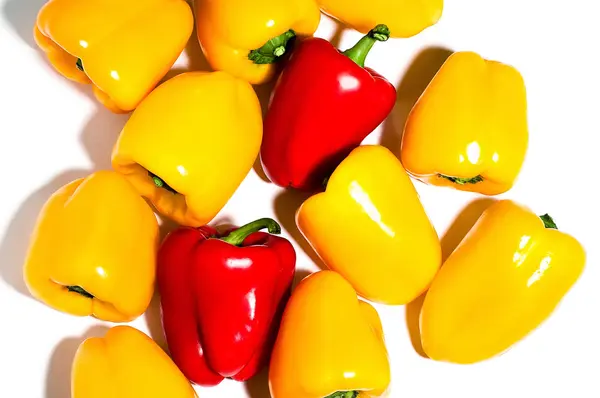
[[324, 105], [222, 298]]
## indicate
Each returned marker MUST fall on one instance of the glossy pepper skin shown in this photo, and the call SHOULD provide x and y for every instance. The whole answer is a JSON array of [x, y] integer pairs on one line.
[[369, 226], [126, 363], [405, 18], [222, 297], [248, 38], [469, 128], [93, 250], [190, 143], [122, 47], [324, 105], [505, 278], [342, 351]]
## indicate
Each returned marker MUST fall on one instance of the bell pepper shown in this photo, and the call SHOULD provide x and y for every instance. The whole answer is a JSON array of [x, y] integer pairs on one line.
[[122, 47], [190, 143], [502, 282], [126, 363], [248, 38], [93, 250], [324, 105], [222, 298], [469, 128], [370, 226], [342, 351], [405, 18]]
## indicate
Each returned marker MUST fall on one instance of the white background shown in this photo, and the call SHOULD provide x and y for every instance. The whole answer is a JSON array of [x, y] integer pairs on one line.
[[52, 131]]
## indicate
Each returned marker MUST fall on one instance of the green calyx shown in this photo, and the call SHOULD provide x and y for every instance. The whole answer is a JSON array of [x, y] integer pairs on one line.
[[548, 221], [238, 236], [359, 52], [344, 394], [79, 290], [272, 50], [79, 65], [463, 181], [160, 183]]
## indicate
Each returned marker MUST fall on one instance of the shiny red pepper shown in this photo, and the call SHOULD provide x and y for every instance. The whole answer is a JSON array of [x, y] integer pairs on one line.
[[323, 106], [222, 298]]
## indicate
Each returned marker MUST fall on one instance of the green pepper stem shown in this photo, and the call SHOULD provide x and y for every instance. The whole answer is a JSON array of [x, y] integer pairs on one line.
[[160, 183], [79, 64], [361, 49], [272, 50], [344, 394], [79, 290], [463, 181], [238, 236], [548, 221]]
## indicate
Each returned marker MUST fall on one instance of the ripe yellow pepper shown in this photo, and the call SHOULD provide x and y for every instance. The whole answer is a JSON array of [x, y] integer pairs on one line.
[[405, 18], [505, 278], [190, 143], [126, 363], [122, 47], [330, 344], [469, 128], [93, 250], [369, 225], [247, 38]]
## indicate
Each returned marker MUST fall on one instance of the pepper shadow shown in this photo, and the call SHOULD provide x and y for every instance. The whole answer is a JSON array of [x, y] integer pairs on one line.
[[338, 33], [21, 16], [196, 60], [418, 76], [462, 224], [153, 314], [15, 244], [166, 225], [413, 314], [153, 319], [263, 92], [58, 377], [285, 206], [100, 134], [459, 228], [258, 386], [299, 277]]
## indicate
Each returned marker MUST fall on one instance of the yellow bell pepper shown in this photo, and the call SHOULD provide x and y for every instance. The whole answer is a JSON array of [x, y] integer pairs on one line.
[[247, 38], [126, 363], [469, 128], [330, 344], [122, 47], [369, 225], [505, 278], [93, 250], [190, 143], [405, 18]]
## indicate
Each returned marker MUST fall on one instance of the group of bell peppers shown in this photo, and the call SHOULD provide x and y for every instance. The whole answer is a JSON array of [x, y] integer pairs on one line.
[[228, 308]]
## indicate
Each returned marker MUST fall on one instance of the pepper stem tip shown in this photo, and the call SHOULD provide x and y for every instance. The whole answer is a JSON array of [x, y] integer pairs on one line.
[[80, 290], [462, 181], [548, 221], [380, 32], [358, 53], [344, 394], [272, 50]]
